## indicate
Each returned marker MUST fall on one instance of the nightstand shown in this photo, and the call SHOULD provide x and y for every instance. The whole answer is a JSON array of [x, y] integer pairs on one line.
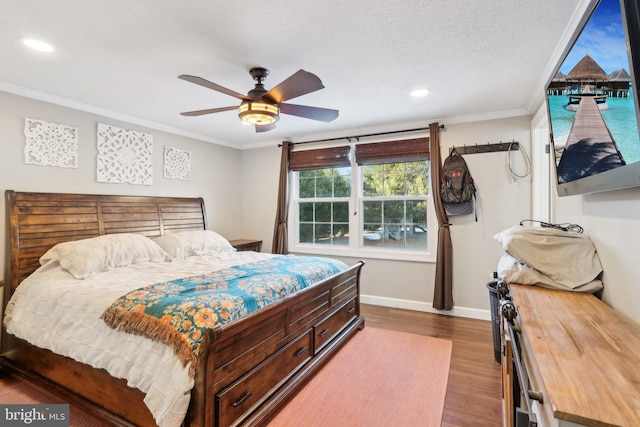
[[247, 244]]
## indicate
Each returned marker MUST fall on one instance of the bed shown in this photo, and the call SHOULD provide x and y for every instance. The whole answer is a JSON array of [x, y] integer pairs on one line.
[[245, 369]]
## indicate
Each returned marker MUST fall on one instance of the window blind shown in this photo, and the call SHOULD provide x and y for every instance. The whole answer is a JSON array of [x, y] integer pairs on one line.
[[406, 150], [334, 157]]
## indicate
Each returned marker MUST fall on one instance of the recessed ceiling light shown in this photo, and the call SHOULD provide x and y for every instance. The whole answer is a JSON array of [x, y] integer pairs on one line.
[[37, 44], [419, 92]]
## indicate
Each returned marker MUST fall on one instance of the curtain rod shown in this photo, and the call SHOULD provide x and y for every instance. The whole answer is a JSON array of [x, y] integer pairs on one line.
[[357, 137]]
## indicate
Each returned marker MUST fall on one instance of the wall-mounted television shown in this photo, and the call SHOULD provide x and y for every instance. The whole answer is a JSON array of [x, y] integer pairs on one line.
[[592, 102]]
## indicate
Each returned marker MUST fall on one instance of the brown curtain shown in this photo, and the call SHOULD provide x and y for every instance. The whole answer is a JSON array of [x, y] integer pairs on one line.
[[279, 245], [443, 286]]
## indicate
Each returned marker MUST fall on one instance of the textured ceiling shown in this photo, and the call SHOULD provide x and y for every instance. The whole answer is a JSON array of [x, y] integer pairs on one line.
[[121, 58]]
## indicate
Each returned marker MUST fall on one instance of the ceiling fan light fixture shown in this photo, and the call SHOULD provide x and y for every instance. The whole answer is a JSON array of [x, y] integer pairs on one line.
[[259, 113]]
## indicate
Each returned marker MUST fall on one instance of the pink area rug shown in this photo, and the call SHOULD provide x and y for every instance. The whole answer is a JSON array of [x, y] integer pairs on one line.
[[379, 378]]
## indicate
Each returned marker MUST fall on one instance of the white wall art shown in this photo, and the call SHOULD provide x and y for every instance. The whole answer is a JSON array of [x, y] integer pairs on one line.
[[50, 144], [177, 163], [124, 156]]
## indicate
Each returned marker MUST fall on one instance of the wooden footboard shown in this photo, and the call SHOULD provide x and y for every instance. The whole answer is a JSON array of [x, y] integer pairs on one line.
[[253, 366], [247, 369]]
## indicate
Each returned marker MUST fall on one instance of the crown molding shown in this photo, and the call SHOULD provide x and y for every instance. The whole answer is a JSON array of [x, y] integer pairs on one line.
[[88, 108]]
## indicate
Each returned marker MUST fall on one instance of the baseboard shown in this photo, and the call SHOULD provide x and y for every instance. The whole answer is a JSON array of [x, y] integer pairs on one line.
[[472, 313]]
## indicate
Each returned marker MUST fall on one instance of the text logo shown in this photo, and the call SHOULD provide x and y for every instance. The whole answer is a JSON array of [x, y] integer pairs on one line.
[[34, 415]]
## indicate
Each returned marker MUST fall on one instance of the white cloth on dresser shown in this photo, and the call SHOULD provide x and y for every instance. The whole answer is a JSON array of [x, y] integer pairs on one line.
[[512, 271], [550, 258]]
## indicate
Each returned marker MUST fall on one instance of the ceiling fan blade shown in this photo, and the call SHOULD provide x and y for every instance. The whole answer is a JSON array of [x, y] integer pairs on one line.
[[313, 113], [298, 84], [265, 128], [208, 111], [206, 83]]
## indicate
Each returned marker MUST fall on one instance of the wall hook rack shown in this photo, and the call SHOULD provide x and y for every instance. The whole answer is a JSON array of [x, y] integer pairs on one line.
[[487, 148]]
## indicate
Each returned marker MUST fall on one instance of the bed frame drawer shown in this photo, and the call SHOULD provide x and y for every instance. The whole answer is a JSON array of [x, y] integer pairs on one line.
[[332, 325], [235, 353], [254, 388]]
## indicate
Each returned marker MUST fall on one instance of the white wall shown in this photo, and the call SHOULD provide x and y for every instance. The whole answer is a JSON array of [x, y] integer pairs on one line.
[[215, 170], [612, 221], [502, 203], [260, 172]]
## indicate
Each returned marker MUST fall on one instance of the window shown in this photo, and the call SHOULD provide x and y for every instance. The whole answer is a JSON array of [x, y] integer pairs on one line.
[[394, 205], [373, 201], [323, 208]]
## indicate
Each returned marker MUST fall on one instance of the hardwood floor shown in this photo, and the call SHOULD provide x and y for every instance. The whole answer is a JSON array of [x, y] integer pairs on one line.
[[474, 392]]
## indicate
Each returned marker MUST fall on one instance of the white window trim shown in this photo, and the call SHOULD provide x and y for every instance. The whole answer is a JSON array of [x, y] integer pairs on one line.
[[355, 223]]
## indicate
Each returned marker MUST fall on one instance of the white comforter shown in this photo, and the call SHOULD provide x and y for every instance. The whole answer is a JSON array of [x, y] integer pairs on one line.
[[52, 310]]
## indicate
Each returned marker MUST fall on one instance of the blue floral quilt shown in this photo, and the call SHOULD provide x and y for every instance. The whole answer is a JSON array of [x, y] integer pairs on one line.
[[178, 312]]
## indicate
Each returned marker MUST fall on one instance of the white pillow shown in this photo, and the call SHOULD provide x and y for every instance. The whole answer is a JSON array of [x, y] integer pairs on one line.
[[566, 257], [83, 258], [196, 242]]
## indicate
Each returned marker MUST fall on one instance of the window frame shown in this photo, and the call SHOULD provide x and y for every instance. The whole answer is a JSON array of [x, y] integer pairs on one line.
[[323, 199], [355, 247]]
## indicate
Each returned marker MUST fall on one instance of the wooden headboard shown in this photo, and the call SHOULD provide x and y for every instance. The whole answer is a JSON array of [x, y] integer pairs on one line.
[[38, 221]]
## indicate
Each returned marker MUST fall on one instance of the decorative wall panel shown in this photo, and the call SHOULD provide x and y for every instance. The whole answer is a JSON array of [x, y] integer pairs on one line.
[[124, 156], [50, 144], [177, 163]]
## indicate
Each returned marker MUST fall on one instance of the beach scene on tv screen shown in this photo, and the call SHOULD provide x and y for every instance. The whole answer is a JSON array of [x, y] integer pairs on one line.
[[591, 100]]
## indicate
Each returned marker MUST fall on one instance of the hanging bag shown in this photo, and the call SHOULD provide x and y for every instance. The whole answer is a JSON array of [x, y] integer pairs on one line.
[[457, 189]]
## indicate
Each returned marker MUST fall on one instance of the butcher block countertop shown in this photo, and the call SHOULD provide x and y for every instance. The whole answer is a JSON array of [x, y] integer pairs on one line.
[[587, 354]]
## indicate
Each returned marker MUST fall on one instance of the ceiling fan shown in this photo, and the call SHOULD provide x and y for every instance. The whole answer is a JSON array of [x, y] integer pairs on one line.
[[262, 108]]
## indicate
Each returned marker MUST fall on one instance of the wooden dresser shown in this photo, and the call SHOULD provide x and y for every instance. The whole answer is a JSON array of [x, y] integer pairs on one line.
[[582, 356]]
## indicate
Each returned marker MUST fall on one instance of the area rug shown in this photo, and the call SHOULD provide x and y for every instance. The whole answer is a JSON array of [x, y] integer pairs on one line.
[[379, 378]]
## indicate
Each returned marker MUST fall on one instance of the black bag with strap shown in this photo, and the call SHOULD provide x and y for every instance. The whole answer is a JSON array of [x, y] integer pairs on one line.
[[457, 189]]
